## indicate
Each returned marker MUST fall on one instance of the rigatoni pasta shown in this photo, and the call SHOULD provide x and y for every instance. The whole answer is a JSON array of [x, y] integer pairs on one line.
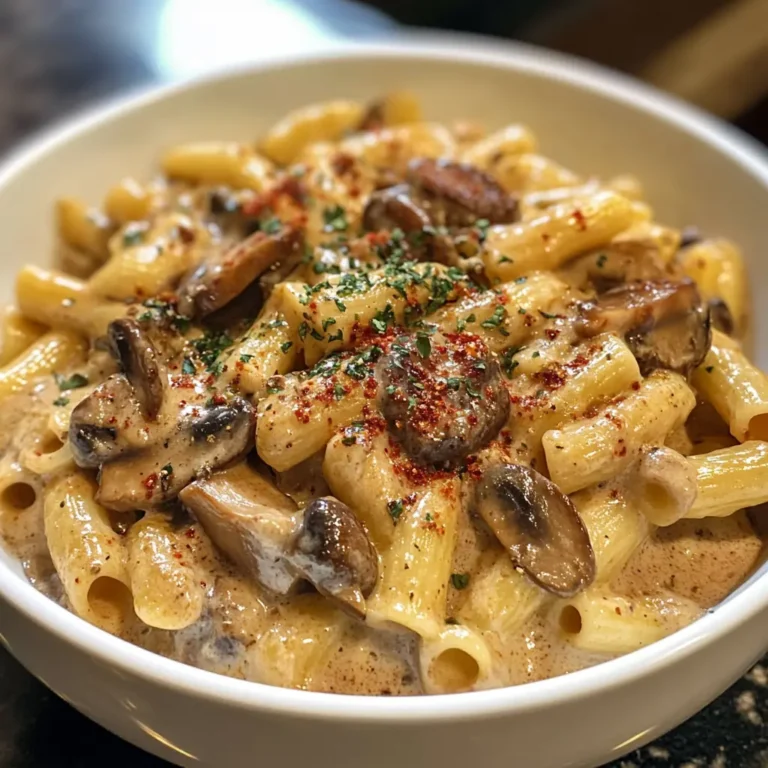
[[381, 405]]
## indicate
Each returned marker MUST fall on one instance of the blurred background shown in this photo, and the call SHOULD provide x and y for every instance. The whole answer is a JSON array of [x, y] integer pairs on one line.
[[58, 55]]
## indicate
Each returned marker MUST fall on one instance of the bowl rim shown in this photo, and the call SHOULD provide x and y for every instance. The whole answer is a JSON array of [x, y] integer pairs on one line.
[[415, 710]]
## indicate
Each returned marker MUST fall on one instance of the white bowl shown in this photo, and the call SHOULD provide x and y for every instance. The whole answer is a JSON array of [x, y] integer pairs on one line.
[[694, 169]]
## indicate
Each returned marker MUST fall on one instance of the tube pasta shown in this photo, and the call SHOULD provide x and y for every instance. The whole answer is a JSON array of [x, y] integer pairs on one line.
[[18, 332], [511, 140], [128, 201], [501, 599], [154, 263], [662, 485], [458, 659], [593, 450], [599, 370], [362, 476], [496, 316], [563, 232], [616, 529], [301, 418], [730, 479], [736, 388], [318, 122], [531, 173], [218, 162], [83, 228], [599, 622], [55, 299], [52, 352], [302, 636], [165, 585], [717, 266], [89, 556], [415, 569]]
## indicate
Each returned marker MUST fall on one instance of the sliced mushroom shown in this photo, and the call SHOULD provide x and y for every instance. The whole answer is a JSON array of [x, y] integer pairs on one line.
[[107, 424], [250, 521], [722, 319], [138, 358], [665, 323], [539, 527], [205, 438], [332, 551], [458, 193], [226, 274], [393, 208], [443, 396]]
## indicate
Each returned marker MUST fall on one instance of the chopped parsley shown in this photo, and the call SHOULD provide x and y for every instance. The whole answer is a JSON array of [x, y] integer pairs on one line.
[[340, 305], [339, 391], [352, 431], [338, 336], [547, 315], [601, 259], [709, 368], [395, 509], [453, 382], [460, 580], [188, 367], [210, 346], [508, 363], [285, 346], [496, 319], [383, 318], [61, 401], [133, 235], [246, 358], [328, 321], [271, 226], [75, 381], [536, 354], [335, 219], [462, 323], [303, 330], [423, 344], [472, 391]]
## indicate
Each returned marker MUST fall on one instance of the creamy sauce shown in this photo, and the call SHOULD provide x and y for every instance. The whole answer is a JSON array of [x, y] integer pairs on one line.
[[242, 632]]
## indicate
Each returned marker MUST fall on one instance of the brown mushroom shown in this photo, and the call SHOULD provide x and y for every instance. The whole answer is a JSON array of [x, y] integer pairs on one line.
[[539, 527], [443, 396], [227, 273], [138, 358], [722, 319], [102, 425], [458, 194], [205, 438], [332, 551], [664, 322], [394, 207], [249, 521]]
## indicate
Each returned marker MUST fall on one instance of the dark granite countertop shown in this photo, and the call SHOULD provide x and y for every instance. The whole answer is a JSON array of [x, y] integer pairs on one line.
[[56, 55]]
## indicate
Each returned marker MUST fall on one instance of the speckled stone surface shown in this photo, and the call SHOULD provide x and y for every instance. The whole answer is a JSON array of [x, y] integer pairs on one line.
[[56, 55]]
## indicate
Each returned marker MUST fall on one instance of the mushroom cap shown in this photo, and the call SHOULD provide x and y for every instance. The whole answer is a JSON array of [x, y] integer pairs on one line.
[[332, 551], [446, 404], [539, 527], [664, 322], [140, 362], [226, 274], [458, 193]]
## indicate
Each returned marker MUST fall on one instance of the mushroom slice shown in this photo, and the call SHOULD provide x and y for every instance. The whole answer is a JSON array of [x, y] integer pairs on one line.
[[226, 274], [207, 438], [105, 425], [393, 208], [664, 322], [539, 527], [722, 319], [332, 551], [137, 356], [459, 193], [443, 396], [248, 520]]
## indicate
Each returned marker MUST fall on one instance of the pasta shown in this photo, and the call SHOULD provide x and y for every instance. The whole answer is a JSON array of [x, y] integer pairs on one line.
[[373, 404]]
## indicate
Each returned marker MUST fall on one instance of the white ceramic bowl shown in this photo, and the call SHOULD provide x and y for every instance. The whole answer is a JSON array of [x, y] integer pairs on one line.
[[694, 169]]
